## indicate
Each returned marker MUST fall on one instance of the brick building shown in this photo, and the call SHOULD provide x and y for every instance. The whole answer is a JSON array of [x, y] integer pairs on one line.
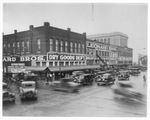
[[44, 46]]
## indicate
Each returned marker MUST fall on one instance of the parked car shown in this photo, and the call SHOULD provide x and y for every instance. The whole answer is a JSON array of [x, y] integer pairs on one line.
[[86, 79], [67, 84], [134, 71], [7, 95], [28, 90], [106, 79], [124, 75]]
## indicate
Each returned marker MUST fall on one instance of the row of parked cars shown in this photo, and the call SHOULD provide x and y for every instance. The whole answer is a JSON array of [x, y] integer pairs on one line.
[[28, 89]]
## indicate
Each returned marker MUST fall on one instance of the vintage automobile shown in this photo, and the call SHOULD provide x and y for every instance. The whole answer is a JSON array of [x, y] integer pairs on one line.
[[65, 84], [28, 90], [134, 71], [124, 75], [106, 79], [125, 89], [7, 95], [85, 79]]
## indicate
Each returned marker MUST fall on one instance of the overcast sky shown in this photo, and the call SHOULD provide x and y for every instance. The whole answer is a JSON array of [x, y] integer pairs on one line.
[[130, 19]]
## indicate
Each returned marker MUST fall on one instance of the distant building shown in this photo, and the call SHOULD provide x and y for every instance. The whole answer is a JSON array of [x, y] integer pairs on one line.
[[142, 60], [111, 47]]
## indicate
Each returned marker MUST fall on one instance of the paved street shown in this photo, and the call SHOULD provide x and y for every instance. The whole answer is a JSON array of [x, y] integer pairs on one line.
[[91, 101]]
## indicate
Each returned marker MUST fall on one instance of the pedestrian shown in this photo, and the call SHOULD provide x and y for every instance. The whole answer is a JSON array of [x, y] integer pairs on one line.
[[144, 78]]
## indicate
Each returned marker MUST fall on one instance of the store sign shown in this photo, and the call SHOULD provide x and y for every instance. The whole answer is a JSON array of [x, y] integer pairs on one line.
[[65, 57], [24, 58], [99, 46]]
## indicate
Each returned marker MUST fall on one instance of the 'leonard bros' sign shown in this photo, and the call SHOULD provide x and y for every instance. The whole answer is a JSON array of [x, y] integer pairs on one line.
[[99, 46]]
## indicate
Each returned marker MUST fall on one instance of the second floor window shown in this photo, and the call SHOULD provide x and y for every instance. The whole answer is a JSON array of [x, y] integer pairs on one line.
[[13, 47], [79, 48], [57, 45], [27, 46], [38, 45], [22, 46], [8, 47], [4, 48], [18, 47], [66, 46], [100, 54], [75, 48], [51, 44], [71, 47], [83, 48], [61, 46], [108, 40]]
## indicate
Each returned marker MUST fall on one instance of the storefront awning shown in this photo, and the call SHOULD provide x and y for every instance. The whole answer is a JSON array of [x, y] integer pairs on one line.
[[68, 68]]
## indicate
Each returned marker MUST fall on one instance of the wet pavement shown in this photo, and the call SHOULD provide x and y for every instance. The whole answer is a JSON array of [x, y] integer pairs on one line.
[[90, 101]]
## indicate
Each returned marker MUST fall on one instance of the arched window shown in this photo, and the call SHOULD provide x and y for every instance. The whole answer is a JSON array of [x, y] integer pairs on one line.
[[50, 44], [38, 45]]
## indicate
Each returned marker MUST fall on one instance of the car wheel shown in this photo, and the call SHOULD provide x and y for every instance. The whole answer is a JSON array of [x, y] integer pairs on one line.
[[35, 98], [22, 99], [70, 90], [13, 100], [98, 84]]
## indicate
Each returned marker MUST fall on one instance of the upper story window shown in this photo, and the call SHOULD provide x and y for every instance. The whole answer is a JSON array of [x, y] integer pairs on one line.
[[38, 45], [75, 48], [57, 45], [79, 48], [101, 40], [66, 46], [104, 40], [87, 51], [61, 46], [22, 46], [100, 53], [18, 47], [83, 48], [71, 47], [13, 47], [4, 48], [108, 40], [51, 44], [27, 46], [8, 47], [89, 44]]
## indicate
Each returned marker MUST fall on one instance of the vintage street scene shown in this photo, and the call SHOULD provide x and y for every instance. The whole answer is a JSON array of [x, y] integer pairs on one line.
[[74, 60]]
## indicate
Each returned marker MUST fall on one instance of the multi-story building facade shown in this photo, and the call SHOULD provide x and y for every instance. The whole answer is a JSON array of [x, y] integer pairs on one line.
[[116, 38], [62, 51], [111, 47], [44, 46]]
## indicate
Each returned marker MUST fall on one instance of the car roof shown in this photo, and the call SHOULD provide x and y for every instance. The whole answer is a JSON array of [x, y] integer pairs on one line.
[[28, 82], [4, 83], [107, 74]]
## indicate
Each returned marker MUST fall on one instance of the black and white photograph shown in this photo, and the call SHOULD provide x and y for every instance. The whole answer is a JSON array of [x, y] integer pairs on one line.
[[77, 59]]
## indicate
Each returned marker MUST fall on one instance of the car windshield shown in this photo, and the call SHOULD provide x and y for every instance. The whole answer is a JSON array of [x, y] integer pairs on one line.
[[5, 86], [105, 75], [123, 72], [28, 85]]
